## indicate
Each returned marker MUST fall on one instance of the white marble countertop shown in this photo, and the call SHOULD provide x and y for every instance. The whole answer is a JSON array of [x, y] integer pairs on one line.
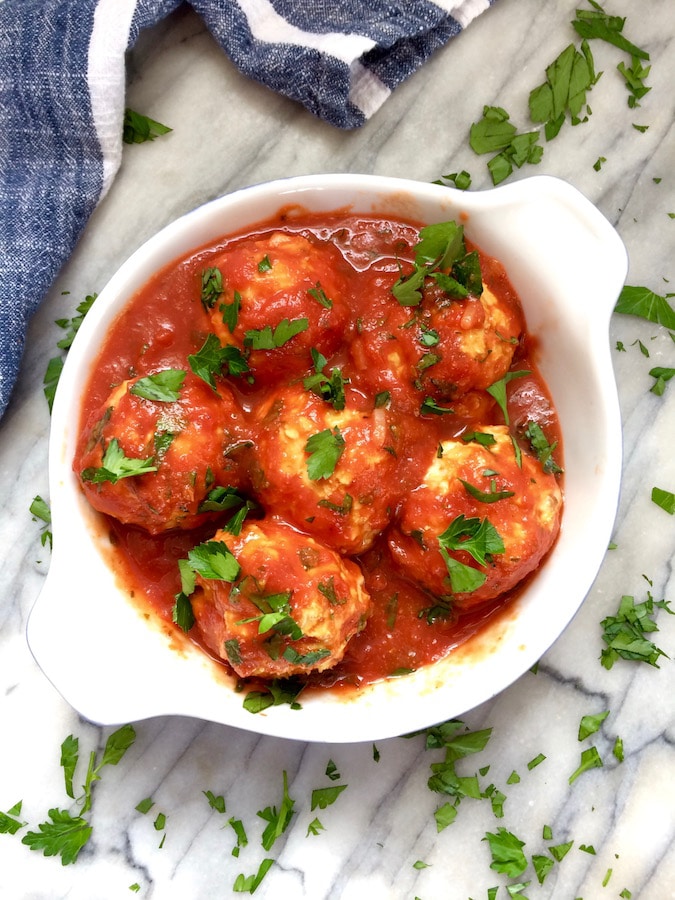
[[229, 132]]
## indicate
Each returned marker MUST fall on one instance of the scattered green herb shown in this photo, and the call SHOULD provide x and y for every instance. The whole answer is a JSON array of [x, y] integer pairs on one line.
[[268, 339], [590, 724], [211, 286], [162, 387], [590, 759], [624, 633], [507, 852], [664, 499], [325, 449], [137, 128], [477, 537], [39, 509], [210, 360], [115, 466]]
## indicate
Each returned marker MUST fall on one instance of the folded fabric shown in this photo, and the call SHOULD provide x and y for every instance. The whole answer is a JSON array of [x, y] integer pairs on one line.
[[62, 103]]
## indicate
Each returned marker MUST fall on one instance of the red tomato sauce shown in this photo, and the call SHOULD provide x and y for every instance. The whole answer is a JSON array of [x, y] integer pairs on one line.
[[372, 340]]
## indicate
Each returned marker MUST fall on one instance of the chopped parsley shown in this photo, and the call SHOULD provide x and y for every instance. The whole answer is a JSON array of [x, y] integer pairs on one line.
[[137, 128], [544, 451], [209, 361], [324, 797], [441, 255], [498, 390], [507, 852], [625, 632], [317, 293], [477, 537], [268, 339], [115, 466], [162, 387], [325, 449], [211, 286], [646, 304], [39, 509], [329, 388]]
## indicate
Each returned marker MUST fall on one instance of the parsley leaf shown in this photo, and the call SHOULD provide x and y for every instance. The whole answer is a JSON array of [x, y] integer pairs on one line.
[[331, 389], [115, 465], [138, 128], [267, 339], [491, 496], [210, 359], [590, 759], [664, 499], [541, 446], [325, 449], [72, 326], [276, 693], [317, 293], [507, 853], [39, 509], [477, 537], [323, 797], [498, 390], [214, 561], [163, 386], [590, 724], [278, 821], [211, 286], [64, 835], [248, 884], [644, 303], [441, 254], [624, 633]]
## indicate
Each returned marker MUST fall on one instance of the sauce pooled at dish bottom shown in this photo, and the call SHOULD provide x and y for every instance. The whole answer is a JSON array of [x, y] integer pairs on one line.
[[323, 446]]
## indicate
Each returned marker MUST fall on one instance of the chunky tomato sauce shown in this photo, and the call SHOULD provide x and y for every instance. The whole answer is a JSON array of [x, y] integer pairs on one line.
[[349, 551]]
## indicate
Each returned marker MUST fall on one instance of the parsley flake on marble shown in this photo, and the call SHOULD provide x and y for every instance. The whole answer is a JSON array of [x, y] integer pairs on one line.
[[279, 819], [324, 797], [664, 499], [625, 632], [590, 759], [55, 364], [590, 724], [635, 300], [39, 509], [507, 852]]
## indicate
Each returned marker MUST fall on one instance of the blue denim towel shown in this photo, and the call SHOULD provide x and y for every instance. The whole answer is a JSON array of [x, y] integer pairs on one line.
[[62, 103]]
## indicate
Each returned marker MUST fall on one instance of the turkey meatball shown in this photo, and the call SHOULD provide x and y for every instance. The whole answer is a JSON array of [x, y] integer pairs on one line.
[[291, 609], [150, 455], [476, 494], [282, 295], [330, 472]]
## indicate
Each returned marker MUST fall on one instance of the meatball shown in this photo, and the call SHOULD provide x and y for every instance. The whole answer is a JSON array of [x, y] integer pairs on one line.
[[474, 340], [152, 462], [329, 472], [292, 608], [477, 492], [282, 295], [441, 348]]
